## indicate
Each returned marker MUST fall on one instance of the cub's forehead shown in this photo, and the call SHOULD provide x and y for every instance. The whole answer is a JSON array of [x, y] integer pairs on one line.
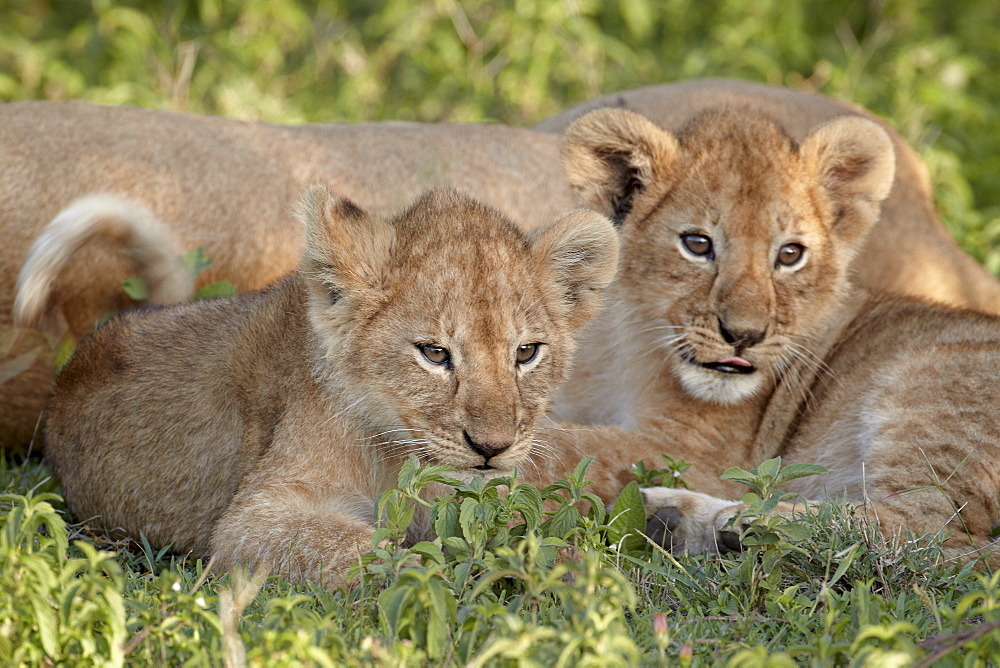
[[736, 148], [455, 257], [446, 231], [449, 209], [732, 162], [476, 274], [473, 298]]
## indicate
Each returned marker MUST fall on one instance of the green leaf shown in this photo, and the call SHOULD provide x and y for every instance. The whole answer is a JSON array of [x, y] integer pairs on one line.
[[195, 262], [736, 474], [770, 468], [645, 476], [48, 627], [757, 536], [767, 505], [844, 564], [216, 290], [561, 523], [793, 471], [446, 520], [136, 287], [64, 351], [392, 603], [628, 519], [430, 551], [597, 511], [470, 517], [457, 546], [795, 531], [399, 517]]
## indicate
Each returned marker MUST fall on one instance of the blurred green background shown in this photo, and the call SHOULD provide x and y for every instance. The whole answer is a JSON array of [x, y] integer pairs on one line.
[[932, 67]]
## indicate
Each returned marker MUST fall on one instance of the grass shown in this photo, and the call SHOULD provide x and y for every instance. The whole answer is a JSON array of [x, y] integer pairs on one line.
[[548, 592]]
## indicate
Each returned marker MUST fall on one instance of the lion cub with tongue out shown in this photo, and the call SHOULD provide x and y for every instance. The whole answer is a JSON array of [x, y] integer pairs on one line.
[[262, 429], [733, 332]]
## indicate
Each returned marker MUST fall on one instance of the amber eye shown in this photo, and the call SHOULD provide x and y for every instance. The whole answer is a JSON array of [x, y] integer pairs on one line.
[[435, 354], [697, 244], [527, 352], [790, 255]]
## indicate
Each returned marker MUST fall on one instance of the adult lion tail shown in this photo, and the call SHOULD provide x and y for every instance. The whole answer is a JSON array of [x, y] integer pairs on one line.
[[113, 221]]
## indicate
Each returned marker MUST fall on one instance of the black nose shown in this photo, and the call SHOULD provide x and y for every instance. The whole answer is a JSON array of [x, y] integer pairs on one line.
[[740, 338], [486, 447]]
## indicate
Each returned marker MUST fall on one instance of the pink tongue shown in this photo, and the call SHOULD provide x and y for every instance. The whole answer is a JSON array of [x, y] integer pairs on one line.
[[735, 361]]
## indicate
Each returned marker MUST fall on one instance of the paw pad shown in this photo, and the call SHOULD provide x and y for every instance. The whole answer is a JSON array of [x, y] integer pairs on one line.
[[661, 525]]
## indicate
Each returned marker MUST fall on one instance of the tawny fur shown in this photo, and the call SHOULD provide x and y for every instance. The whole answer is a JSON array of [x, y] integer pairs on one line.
[[263, 428], [896, 396], [229, 186]]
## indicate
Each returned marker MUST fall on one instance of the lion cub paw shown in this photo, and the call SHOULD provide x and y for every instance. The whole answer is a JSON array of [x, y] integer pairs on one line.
[[681, 520]]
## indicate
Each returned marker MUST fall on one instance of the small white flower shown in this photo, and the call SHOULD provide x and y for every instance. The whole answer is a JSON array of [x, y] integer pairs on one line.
[[177, 586], [200, 602]]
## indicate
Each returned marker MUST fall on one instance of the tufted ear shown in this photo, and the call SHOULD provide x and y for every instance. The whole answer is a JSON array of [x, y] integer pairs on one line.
[[346, 249], [581, 249], [855, 162], [611, 156]]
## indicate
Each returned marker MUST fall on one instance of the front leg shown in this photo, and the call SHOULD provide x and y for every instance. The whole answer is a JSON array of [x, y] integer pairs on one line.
[[685, 521], [288, 524], [283, 537]]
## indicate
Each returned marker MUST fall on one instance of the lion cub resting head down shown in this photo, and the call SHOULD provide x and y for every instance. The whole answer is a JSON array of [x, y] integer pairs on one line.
[[263, 428]]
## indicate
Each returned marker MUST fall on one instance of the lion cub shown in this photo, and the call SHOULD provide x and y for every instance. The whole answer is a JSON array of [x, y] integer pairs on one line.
[[262, 429], [737, 334]]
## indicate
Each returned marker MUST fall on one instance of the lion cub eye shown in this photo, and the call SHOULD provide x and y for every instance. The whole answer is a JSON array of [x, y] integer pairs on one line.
[[526, 352], [790, 255], [697, 244], [435, 354]]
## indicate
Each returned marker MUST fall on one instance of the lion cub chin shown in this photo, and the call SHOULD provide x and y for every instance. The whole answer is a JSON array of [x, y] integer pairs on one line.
[[262, 429]]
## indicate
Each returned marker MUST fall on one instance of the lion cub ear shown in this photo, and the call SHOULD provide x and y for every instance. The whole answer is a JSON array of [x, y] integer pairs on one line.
[[855, 162], [346, 249], [581, 250], [610, 156]]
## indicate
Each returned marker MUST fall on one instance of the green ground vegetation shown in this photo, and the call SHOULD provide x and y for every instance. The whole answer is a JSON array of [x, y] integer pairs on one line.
[[506, 581], [571, 586]]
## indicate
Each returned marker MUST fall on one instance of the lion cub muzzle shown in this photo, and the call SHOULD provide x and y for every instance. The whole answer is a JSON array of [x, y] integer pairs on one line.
[[488, 446]]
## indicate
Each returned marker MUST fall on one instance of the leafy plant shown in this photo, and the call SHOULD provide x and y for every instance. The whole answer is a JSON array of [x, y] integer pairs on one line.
[[668, 476], [532, 600], [54, 608]]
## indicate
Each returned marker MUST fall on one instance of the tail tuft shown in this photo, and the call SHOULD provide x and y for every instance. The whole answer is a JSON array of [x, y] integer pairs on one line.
[[116, 221]]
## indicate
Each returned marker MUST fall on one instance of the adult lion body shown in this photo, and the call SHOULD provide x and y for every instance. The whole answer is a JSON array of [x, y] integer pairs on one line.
[[733, 332], [263, 428]]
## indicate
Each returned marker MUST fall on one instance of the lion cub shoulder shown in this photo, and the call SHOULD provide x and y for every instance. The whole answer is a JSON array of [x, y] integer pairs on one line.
[[262, 428]]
